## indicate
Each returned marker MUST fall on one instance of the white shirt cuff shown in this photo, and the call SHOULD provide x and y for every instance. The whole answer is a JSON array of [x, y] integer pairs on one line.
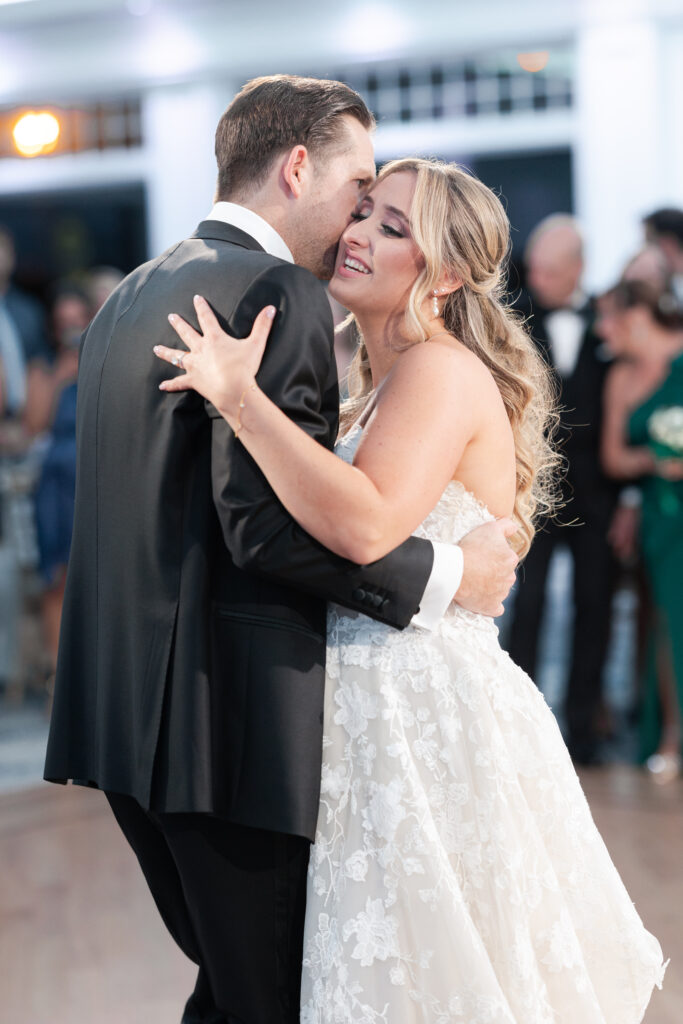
[[444, 580]]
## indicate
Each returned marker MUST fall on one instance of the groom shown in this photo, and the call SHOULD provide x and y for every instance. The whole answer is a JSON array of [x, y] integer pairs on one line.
[[191, 668]]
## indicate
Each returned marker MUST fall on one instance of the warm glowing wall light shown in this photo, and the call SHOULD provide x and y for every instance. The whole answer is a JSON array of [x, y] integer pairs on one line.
[[36, 133], [533, 61]]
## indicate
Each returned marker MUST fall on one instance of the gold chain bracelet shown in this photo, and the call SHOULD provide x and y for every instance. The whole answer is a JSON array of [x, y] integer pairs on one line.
[[252, 387]]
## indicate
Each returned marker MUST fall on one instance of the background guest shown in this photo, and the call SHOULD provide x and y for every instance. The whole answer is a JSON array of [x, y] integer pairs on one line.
[[69, 316], [54, 500], [624, 529], [22, 340], [612, 325], [648, 381], [648, 264], [99, 284], [51, 408], [664, 228], [561, 318], [23, 336]]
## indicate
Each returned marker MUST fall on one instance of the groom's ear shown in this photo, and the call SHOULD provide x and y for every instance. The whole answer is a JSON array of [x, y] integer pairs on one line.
[[296, 171]]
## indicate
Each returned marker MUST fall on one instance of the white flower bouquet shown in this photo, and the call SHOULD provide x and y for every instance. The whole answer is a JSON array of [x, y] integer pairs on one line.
[[665, 427]]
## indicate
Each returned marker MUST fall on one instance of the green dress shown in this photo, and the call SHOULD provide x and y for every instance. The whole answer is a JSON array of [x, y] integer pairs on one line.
[[662, 550]]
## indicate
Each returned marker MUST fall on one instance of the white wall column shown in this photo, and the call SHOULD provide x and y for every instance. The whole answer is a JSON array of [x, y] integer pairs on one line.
[[618, 172], [671, 117], [179, 123]]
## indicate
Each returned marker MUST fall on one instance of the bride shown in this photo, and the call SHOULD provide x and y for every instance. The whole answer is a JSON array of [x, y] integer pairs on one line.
[[457, 875]]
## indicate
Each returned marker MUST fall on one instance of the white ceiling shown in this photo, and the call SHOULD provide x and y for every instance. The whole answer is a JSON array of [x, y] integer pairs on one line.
[[52, 50]]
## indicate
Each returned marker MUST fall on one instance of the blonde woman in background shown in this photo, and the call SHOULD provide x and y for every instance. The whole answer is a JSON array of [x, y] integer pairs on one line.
[[457, 874]]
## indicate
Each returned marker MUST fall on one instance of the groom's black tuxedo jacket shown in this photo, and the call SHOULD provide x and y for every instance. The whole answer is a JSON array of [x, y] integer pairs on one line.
[[191, 661]]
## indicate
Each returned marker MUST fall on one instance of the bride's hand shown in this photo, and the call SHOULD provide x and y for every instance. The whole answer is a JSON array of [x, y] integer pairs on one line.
[[216, 365]]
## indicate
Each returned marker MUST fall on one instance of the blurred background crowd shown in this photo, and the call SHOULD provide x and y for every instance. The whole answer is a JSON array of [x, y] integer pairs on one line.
[[571, 111], [39, 344]]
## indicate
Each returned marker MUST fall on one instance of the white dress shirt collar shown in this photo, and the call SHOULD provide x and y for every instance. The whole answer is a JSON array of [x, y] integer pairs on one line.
[[252, 224]]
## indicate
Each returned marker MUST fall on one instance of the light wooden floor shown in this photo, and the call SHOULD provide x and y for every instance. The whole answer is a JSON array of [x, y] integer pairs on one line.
[[81, 941]]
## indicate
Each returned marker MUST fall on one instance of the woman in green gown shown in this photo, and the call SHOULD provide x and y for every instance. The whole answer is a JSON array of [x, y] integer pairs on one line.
[[644, 404]]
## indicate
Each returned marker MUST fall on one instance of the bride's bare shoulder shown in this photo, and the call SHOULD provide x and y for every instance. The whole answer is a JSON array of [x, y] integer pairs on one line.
[[446, 360]]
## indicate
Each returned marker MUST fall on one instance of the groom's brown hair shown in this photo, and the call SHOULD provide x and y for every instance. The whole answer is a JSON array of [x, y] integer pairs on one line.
[[271, 115]]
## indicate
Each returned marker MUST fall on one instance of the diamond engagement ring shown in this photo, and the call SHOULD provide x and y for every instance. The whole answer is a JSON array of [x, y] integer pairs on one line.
[[178, 361]]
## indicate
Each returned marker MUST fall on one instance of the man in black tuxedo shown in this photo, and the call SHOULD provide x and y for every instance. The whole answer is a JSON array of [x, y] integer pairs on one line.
[[561, 321], [191, 667]]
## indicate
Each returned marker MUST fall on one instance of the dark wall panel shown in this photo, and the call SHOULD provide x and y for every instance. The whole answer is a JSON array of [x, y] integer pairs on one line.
[[61, 234]]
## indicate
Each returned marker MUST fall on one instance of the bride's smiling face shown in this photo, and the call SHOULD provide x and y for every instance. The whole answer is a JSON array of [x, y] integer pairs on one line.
[[378, 261]]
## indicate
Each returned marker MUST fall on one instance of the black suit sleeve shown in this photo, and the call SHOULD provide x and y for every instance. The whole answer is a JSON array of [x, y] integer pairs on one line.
[[298, 373]]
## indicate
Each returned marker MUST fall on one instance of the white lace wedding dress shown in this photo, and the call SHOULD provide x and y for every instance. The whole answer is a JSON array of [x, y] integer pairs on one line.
[[457, 876]]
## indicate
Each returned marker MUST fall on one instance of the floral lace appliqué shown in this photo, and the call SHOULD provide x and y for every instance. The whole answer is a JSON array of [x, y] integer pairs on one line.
[[457, 876]]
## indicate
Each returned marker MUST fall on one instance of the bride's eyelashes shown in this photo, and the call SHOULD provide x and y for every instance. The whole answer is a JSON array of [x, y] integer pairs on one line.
[[386, 228]]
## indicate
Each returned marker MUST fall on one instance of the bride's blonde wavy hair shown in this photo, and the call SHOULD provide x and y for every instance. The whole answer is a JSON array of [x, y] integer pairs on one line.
[[461, 228]]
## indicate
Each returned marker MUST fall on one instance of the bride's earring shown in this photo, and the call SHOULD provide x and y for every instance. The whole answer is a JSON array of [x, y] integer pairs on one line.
[[435, 303]]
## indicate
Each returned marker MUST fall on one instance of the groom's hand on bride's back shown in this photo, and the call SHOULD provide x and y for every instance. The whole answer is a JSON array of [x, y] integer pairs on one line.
[[488, 569]]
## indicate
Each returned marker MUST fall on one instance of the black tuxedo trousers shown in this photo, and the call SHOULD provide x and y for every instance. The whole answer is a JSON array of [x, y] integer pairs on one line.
[[233, 898]]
